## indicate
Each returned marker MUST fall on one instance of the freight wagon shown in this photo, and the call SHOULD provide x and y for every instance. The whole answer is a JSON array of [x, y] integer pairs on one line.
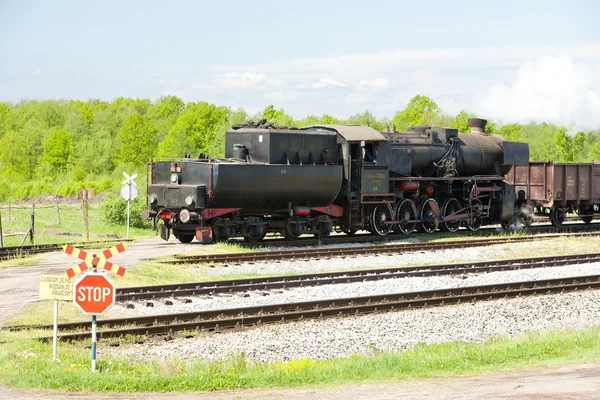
[[554, 189]]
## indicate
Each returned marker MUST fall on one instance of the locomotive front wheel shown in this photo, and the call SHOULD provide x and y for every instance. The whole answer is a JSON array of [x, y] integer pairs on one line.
[[450, 208], [429, 213], [587, 219], [406, 211], [186, 237], [221, 231], [380, 215]]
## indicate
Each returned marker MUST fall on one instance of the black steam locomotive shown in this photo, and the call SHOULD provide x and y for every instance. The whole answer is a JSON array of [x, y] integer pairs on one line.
[[336, 177]]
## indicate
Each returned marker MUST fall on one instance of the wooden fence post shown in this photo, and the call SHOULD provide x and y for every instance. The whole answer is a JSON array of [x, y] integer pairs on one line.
[[58, 211], [85, 214], [32, 223]]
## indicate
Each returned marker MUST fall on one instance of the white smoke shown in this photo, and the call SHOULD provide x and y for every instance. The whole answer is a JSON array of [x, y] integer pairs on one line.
[[553, 89]]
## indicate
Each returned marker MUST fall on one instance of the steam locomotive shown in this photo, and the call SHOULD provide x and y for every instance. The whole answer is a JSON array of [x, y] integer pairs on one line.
[[343, 178]]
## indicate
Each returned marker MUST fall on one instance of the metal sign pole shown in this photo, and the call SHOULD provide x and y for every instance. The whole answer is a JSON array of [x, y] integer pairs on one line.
[[55, 338], [128, 209], [93, 343], [95, 269]]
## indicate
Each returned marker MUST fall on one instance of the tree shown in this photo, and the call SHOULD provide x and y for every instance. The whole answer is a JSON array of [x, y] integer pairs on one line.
[[138, 140], [414, 111], [461, 121], [366, 118], [579, 147], [278, 117], [194, 130], [58, 150], [511, 132], [13, 156], [563, 145]]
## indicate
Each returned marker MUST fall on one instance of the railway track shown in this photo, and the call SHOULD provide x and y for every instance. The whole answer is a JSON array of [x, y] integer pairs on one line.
[[330, 278], [368, 237], [206, 321], [24, 251], [236, 258]]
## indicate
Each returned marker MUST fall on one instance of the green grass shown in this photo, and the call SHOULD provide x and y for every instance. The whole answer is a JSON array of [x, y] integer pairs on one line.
[[70, 229], [28, 364]]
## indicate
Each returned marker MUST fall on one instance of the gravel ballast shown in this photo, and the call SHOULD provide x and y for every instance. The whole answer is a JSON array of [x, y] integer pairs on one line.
[[339, 337]]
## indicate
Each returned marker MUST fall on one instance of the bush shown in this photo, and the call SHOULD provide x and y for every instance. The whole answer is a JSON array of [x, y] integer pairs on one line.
[[114, 211]]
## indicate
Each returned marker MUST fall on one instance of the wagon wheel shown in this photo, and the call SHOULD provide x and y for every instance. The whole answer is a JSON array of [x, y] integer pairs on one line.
[[474, 222], [349, 231], [406, 211], [450, 208], [588, 215], [430, 211], [323, 226], [380, 215], [292, 228], [557, 217], [255, 230]]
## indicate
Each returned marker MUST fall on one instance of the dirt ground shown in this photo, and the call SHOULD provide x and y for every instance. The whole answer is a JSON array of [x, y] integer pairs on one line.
[[19, 288]]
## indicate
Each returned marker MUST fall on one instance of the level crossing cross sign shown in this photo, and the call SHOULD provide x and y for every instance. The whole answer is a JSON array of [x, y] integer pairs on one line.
[[99, 260], [94, 293]]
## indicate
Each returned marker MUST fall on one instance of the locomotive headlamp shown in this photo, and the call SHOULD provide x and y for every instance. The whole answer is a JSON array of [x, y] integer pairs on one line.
[[152, 198], [174, 178], [190, 200], [184, 216]]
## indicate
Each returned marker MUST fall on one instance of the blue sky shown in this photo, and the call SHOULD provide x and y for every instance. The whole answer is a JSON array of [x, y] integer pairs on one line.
[[511, 60]]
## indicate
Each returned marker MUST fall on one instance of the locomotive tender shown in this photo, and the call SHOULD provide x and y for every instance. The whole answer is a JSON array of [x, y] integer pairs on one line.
[[336, 177]]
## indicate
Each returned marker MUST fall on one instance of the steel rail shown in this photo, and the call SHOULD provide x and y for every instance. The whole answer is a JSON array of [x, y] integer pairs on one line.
[[249, 316], [18, 251], [338, 277], [358, 250], [368, 237]]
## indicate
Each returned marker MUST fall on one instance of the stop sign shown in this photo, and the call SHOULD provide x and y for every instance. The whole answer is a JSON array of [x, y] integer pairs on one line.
[[94, 293]]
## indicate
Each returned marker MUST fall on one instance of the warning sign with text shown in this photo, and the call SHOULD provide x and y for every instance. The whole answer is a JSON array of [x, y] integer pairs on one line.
[[56, 287]]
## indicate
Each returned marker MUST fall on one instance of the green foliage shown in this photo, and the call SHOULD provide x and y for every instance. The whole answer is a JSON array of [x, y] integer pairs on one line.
[[461, 121], [138, 139], [195, 129], [114, 211], [58, 149], [418, 107], [78, 142], [366, 118], [13, 156]]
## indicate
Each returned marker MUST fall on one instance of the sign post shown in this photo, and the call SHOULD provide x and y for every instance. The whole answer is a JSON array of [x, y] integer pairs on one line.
[[129, 193], [56, 287], [94, 293]]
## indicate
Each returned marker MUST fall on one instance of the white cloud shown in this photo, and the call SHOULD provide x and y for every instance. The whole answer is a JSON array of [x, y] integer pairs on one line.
[[552, 89], [374, 85], [324, 82], [234, 80], [516, 83]]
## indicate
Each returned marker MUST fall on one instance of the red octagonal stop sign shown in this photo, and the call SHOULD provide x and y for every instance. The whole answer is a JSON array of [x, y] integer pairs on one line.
[[94, 293]]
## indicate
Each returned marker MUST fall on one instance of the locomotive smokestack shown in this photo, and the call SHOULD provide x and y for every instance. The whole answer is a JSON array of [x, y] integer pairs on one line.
[[477, 125]]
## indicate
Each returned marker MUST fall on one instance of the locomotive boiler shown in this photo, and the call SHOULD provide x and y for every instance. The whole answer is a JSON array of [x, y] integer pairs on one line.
[[336, 177]]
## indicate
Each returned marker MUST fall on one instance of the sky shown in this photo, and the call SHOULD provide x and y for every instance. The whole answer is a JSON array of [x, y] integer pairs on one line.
[[513, 61]]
